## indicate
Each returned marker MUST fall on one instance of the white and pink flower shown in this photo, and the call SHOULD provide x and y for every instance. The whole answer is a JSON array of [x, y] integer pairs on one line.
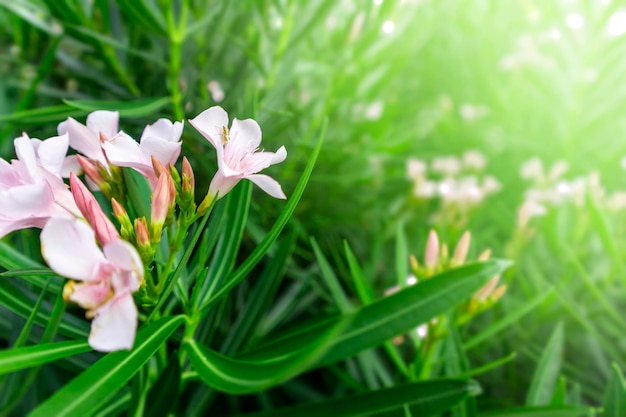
[[108, 278], [237, 152]]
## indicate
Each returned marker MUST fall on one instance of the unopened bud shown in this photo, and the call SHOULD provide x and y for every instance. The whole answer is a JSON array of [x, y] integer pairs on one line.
[[498, 293], [91, 210], [414, 264], [206, 203], [188, 180], [431, 254], [461, 249], [160, 207], [122, 216], [158, 167], [91, 170], [485, 255], [142, 237], [482, 294]]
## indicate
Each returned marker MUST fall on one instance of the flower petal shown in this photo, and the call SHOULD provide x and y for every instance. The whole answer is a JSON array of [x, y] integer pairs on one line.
[[26, 200], [124, 151], [124, 256], [26, 154], [82, 139], [69, 247], [114, 325], [268, 184], [221, 184], [211, 123], [165, 151], [245, 135], [70, 164], [90, 295], [52, 153], [103, 121]]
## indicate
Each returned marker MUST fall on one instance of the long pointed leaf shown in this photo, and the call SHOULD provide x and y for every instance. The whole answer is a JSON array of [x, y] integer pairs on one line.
[[12, 360]]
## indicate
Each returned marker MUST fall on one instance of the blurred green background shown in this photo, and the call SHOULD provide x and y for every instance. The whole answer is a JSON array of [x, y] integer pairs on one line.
[[395, 80]]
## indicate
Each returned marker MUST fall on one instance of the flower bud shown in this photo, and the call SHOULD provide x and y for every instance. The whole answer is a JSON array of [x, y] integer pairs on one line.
[[414, 264], [89, 207], [158, 167], [485, 255], [91, 170], [483, 293], [206, 203], [188, 180], [121, 215], [160, 207], [461, 249], [431, 254], [142, 237]]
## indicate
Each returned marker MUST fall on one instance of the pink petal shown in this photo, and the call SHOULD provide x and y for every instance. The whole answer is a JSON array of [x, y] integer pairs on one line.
[[166, 152], [26, 154], [245, 135], [69, 247], [70, 164], [211, 123], [280, 155], [103, 121], [90, 295], [52, 153], [163, 129], [222, 184], [8, 174], [268, 184], [10, 225], [124, 256], [124, 151], [89, 207], [26, 200], [82, 139], [114, 325]]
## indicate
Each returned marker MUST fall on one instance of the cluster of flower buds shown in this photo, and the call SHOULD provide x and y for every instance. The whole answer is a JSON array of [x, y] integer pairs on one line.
[[458, 183], [436, 260], [106, 266]]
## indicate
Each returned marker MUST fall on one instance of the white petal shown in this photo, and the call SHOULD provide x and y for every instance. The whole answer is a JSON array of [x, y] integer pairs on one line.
[[26, 200], [90, 295], [221, 184], [70, 164], [124, 151], [114, 325], [163, 129], [268, 184], [52, 153], [166, 152], [103, 121], [82, 139], [26, 154], [8, 175], [124, 256], [211, 123], [245, 135], [10, 225], [69, 247], [280, 155]]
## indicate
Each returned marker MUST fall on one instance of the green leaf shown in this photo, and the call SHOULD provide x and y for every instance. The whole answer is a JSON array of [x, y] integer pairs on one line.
[[339, 296], [162, 396], [456, 365], [398, 313], [236, 376], [547, 373], [40, 272], [255, 257], [554, 411], [43, 115], [89, 390], [424, 398], [615, 396], [139, 192], [137, 108], [12, 360]]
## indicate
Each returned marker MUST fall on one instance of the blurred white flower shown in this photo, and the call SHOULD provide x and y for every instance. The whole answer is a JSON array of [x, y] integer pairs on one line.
[[374, 110], [491, 185], [388, 27], [217, 94], [470, 112], [617, 24], [446, 165], [575, 21], [474, 160], [532, 170], [529, 209], [415, 168]]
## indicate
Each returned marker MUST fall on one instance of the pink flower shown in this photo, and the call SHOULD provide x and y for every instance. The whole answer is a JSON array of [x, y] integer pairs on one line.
[[160, 140], [89, 207], [31, 189], [108, 279], [237, 155], [86, 138]]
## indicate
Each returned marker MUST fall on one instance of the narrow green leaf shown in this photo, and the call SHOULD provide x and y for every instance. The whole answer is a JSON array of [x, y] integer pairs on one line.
[[236, 376], [41, 272], [398, 313], [615, 396], [139, 192], [331, 279], [137, 108], [255, 257], [42, 115], [84, 394], [547, 372], [23, 337], [424, 398], [456, 365], [12, 360], [163, 393], [566, 411], [360, 283]]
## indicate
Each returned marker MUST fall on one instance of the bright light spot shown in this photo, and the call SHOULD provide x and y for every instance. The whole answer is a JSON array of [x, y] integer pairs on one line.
[[563, 188], [444, 189], [617, 23], [422, 331], [388, 27], [378, 2], [575, 21], [411, 280]]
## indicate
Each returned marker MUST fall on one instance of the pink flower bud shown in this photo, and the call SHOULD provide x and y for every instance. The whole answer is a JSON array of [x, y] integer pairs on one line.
[[188, 183], [431, 255], [461, 250], [158, 167], [91, 170], [160, 201], [89, 207], [141, 231]]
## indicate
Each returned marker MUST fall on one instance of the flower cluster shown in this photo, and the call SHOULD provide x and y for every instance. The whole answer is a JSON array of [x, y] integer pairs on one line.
[[458, 183], [108, 267]]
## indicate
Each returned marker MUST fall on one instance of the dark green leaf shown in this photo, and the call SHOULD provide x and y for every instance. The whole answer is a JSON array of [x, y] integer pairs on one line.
[[12, 360]]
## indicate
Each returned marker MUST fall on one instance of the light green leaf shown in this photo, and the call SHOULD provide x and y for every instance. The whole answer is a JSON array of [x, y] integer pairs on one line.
[[137, 108], [424, 398], [401, 312], [554, 411], [43, 115], [12, 360], [547, 373], [615, 396], [89, 390]]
